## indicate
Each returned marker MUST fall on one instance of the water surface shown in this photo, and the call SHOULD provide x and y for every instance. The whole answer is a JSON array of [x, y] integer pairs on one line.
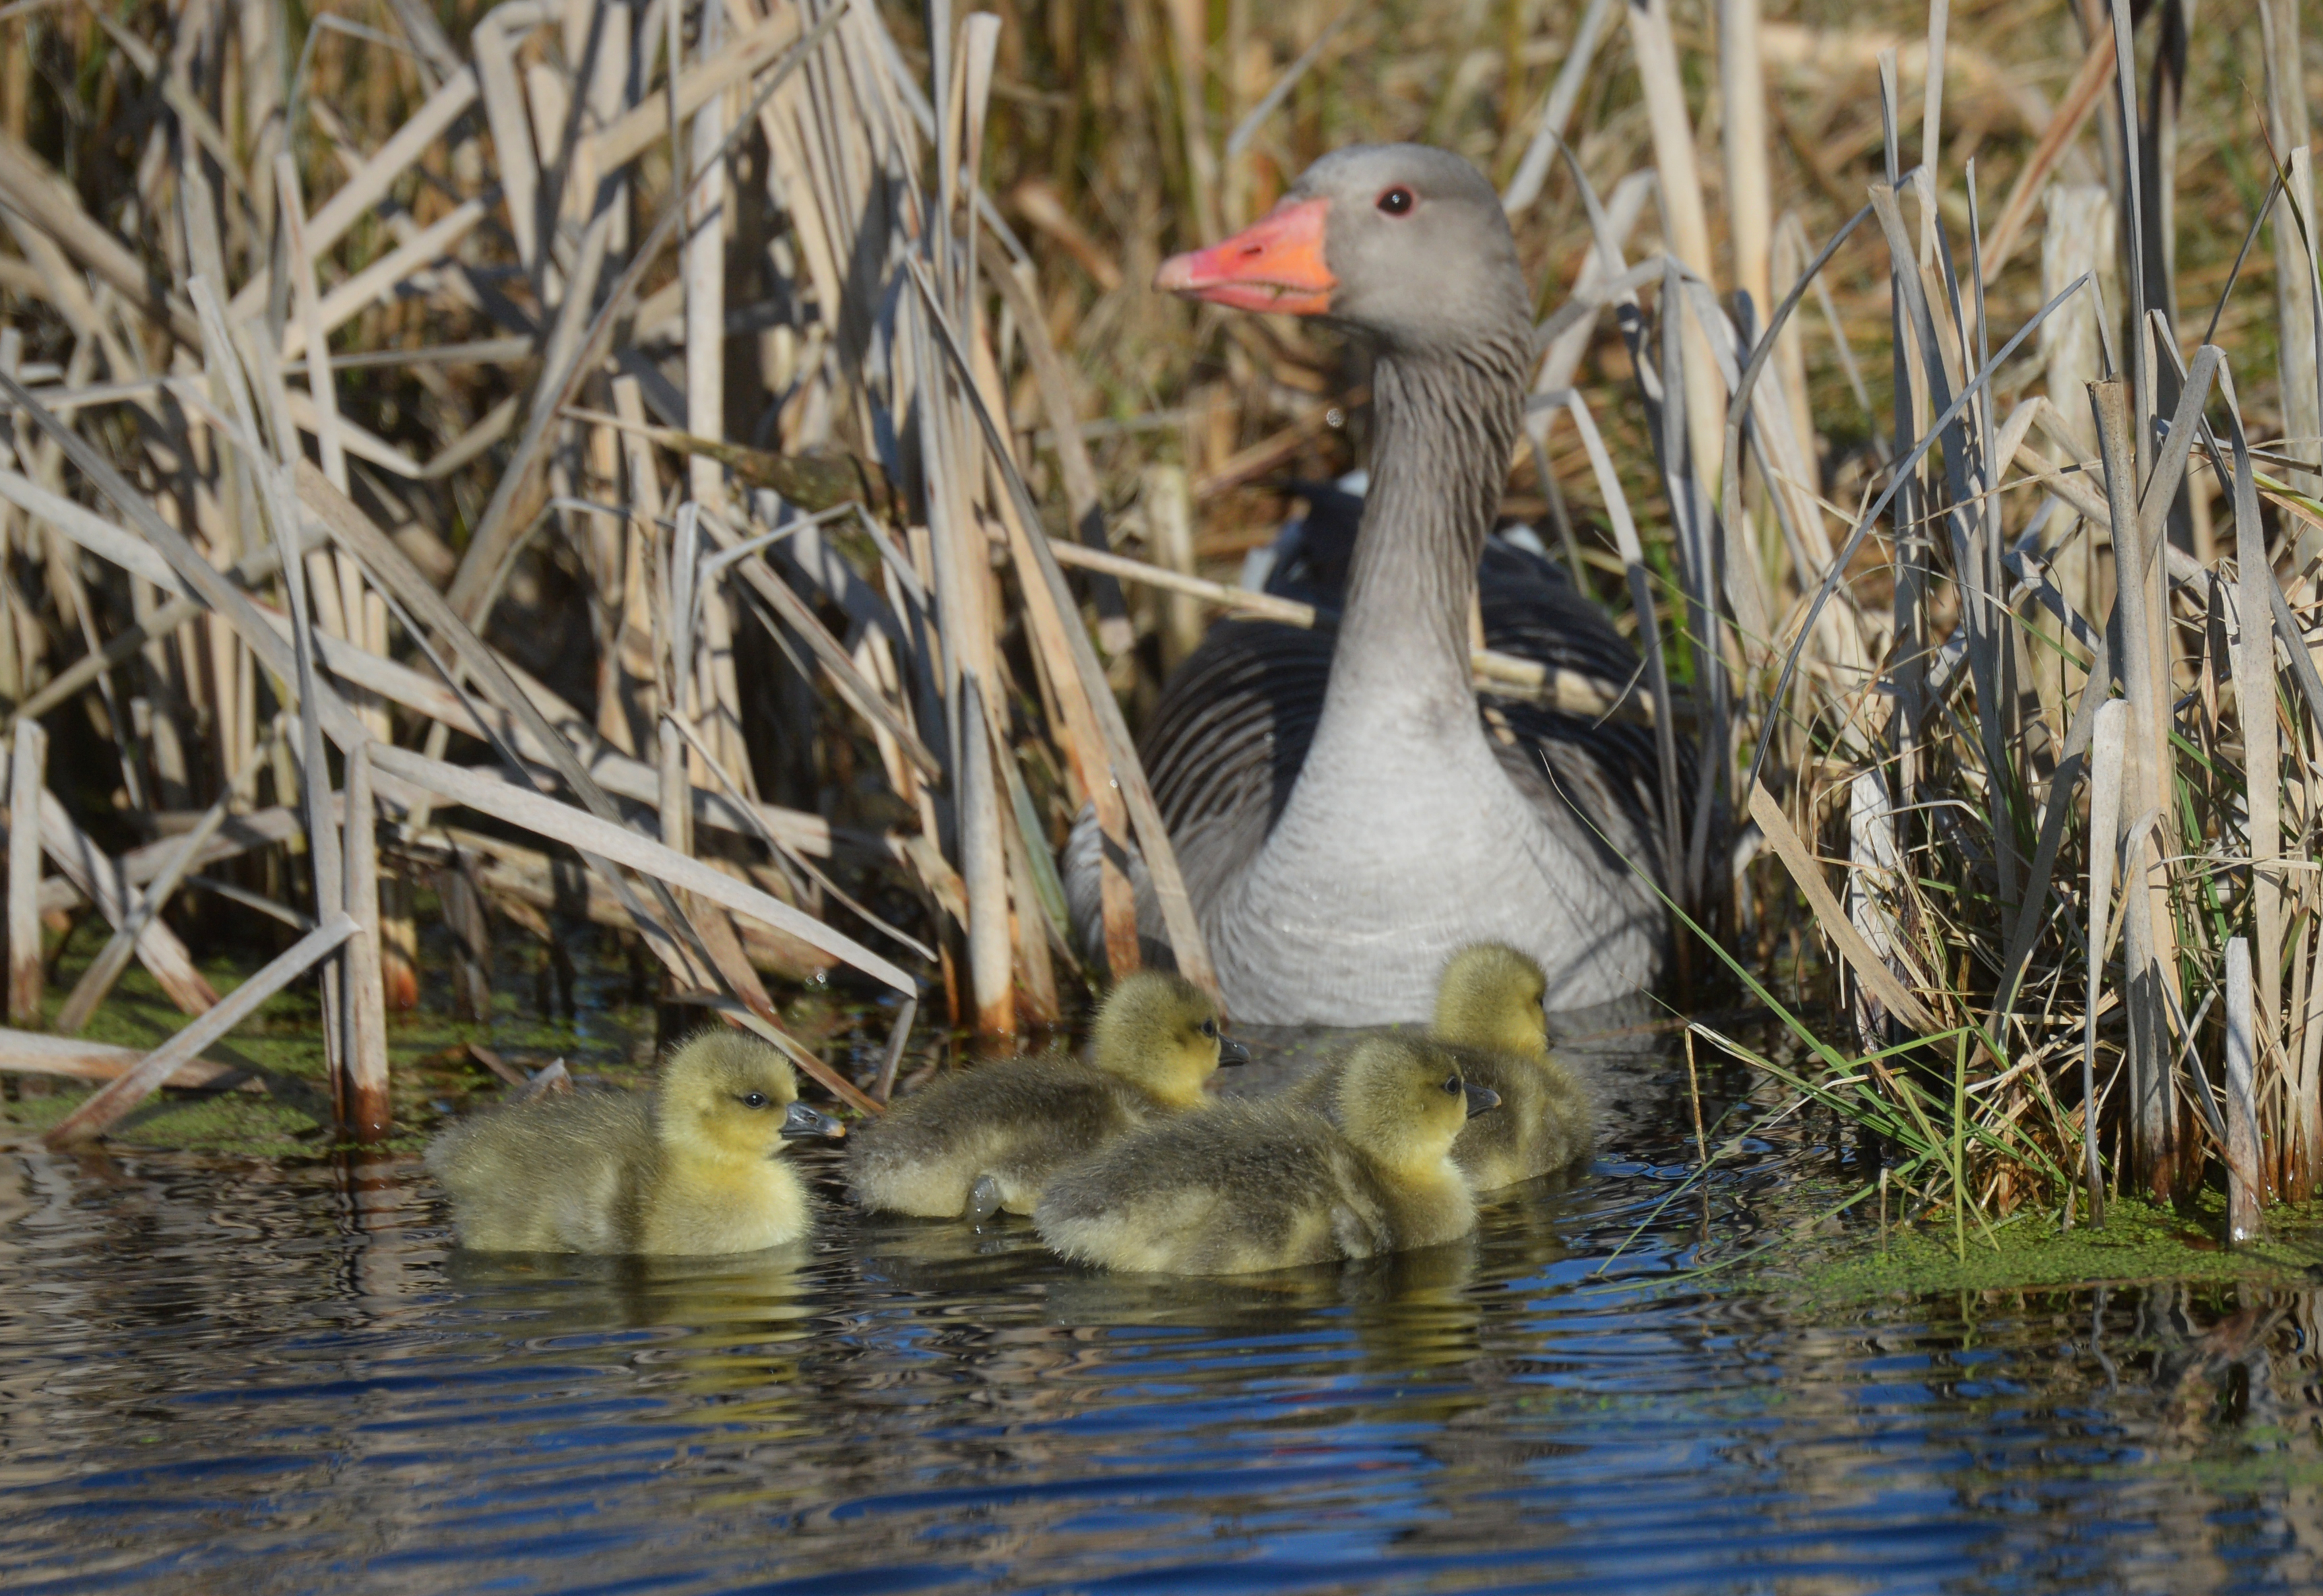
[[220, 1375]]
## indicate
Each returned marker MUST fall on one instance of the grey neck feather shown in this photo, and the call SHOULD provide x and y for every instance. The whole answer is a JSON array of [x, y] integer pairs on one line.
[[1445, 422]]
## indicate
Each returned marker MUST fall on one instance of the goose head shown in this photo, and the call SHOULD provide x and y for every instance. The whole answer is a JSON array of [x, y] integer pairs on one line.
[[728, 1097], [1161, 1031], [1491, 997], [1404, 244], [1402, 1101]]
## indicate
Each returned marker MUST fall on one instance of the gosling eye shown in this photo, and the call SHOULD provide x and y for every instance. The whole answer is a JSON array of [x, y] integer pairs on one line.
[[1397, 201], [1210, 1028], [1451, 1086], [753, 1099]]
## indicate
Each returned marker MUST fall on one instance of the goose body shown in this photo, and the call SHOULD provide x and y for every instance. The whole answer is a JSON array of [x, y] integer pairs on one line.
[[1254, 1186], [1345, 812], [693, 1168], [991, 1137]]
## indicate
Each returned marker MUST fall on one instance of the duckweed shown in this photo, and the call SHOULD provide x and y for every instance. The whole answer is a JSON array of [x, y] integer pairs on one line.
[[2138, 1243]]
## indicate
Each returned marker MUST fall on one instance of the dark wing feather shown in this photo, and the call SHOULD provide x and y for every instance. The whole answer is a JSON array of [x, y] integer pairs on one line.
[[1610, 772]]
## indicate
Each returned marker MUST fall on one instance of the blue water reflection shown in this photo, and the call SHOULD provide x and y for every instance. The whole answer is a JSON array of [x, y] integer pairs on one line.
[[222, 1376]]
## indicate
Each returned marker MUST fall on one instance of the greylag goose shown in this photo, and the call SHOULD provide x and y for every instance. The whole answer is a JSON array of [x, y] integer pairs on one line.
[[1346, 814]]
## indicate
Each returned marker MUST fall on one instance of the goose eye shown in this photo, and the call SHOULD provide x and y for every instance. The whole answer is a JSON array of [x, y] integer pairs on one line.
[[754, 1100], [1210, 1028], [1396, 202], [1451, 1086]]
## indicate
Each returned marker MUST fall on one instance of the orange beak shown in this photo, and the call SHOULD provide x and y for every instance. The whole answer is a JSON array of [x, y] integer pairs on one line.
[[1276, 263]]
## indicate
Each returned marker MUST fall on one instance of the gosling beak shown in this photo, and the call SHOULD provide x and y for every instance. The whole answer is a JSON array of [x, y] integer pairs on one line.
[[1231, 1051], [802, 1121], [1275, 263], [1480, 1099]]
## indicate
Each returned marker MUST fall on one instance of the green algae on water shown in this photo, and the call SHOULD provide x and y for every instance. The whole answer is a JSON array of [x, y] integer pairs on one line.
[[2138, 1243], [250, 1125], [281, 1044]]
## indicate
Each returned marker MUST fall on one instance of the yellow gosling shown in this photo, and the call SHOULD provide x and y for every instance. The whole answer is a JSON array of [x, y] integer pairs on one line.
[[982, 1140], [1488, 1011], [1252, 1186], [694, 1167]]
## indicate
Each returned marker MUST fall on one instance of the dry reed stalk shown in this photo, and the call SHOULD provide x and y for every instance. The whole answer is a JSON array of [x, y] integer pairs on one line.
[[463, 907], [2244, 1186], [1749, 197], [2081, 96], [1183, 929], [1658, 78], [1611, 224], [31, 1052], [356, 198], [101, 880], [615, 775], [1863, 957], [1166, 502], [108, 1103], [39, 194], [1556, 113], [509, 876], [2154, 1152], [985, 870], [636, 129], [588, 835], [2295, 223], [1875, 879], [1658, 681], [1787, 269], [2108, 756], [1189, 59], [665, 932], [364, 1110], [97, 979], [2255, 677], [2080, 221], [27, 780], [307, 296], [1086, 748]]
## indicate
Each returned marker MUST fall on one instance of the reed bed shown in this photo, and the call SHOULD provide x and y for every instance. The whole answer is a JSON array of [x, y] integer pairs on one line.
[[754, 496]]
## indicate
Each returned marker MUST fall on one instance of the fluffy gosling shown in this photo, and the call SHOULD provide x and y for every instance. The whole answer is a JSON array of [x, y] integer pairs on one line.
[[694, 1167], [988, 1139], [1488, 1011], [1252, 1186]]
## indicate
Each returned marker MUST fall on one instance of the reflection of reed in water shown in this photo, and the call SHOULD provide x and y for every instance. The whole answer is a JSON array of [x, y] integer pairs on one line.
[[393, 1226]]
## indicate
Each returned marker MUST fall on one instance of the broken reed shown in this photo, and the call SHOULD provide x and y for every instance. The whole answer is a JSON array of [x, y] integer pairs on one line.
[[747, 367]]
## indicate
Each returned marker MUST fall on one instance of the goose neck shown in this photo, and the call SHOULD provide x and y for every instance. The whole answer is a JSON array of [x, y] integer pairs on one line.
[[1445, 425]]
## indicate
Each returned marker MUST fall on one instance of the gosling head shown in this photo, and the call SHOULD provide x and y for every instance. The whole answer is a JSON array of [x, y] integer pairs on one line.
[[730, 1096], [1401, 1100], [1161, 1031], [1491, 997]]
